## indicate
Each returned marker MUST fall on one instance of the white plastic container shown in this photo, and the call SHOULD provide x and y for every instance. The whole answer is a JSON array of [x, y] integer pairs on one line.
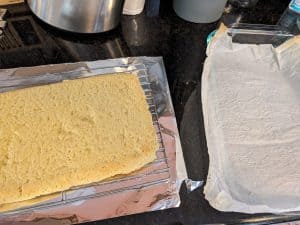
[[133, 7], [199, 11]]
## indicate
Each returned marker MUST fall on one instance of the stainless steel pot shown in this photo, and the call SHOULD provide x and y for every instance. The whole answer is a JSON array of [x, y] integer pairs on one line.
[[82, 16]]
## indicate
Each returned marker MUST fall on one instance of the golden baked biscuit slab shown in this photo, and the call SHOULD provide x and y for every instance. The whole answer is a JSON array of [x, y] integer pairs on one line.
[[76, 132]]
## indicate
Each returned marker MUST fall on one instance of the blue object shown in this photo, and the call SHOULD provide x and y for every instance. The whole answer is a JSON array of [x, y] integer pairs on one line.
[[295, 5], [290, 20], [210, 36], [153, 7]]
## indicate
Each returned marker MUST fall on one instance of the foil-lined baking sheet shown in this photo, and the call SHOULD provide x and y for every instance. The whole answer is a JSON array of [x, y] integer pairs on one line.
[[154, 187]]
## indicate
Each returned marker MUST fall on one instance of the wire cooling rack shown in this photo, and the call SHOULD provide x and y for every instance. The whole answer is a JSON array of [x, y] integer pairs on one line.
[[154, 173]]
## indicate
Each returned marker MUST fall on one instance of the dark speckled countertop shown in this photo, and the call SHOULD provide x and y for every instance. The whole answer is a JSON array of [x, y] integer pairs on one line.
[[152, 33]]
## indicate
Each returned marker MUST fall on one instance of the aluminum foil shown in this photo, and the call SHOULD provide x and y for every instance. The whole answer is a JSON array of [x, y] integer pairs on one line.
[[154, 187]]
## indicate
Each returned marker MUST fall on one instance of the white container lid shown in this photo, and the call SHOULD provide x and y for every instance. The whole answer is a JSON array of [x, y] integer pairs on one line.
[[133, 7]]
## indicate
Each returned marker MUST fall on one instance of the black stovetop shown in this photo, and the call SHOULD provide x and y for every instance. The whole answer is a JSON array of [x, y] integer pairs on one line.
[[29, 42]]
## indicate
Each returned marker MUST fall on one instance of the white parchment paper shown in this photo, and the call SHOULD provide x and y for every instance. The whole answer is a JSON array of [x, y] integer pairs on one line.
[[251, 106]]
